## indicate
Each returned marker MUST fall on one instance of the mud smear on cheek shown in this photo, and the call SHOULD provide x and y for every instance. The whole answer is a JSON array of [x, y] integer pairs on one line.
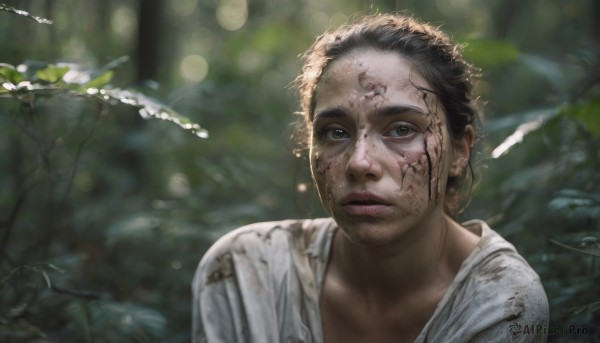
[[438, 153], [434, 153], [403, 171], [404, 167], [410, 161], [429, 167], [324, 182]]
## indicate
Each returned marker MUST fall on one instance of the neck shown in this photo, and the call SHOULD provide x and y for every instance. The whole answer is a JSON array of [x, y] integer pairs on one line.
[[415, 262]]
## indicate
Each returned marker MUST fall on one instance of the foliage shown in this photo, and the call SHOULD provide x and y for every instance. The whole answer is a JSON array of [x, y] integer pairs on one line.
[[10, 9], [32, 79], [104, 216], [549, 203], [51, 114]]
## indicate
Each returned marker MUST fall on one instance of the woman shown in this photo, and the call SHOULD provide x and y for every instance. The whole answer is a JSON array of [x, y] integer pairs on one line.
[[389, 121]]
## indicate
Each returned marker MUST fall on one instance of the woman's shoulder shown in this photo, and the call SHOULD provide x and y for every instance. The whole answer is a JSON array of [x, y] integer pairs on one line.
[[495, 267], [261, 242], [494, 289], [259, 234]]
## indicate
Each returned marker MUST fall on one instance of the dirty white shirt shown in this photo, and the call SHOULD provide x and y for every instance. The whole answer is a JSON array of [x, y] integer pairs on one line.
[[261, 283]]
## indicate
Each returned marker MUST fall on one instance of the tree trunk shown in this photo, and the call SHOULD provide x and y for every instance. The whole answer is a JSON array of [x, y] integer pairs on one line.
[[147, 54]]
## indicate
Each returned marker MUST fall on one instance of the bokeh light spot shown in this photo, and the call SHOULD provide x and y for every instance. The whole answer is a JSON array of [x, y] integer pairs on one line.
[[232, 14], [179, 186], [123, 22], [184, 8], [193, 68]]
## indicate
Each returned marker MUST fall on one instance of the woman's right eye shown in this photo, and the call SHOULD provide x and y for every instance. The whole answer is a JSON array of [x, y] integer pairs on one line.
[[333, 134]]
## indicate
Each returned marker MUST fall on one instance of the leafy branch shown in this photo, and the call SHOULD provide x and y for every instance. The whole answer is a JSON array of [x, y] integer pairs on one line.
[[4, 7], [31, 79], [575, 250]]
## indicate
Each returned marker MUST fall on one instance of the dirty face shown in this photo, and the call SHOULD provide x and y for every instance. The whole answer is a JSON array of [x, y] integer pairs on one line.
[[380, 150]]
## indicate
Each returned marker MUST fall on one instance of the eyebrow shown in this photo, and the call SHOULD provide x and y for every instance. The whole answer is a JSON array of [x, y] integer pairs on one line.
[[335, 112], [339, 112], [398, 109]]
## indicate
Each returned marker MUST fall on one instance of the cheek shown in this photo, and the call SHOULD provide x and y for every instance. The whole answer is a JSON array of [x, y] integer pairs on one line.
[[435, 151], [326, 175], [412, 158], [420, 166], [413, 167]]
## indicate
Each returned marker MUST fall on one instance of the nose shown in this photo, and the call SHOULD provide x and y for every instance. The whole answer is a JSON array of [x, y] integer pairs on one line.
[[362, 164]]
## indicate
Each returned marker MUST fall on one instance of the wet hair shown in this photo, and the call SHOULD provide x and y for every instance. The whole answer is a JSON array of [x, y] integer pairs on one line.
[[427, 48]]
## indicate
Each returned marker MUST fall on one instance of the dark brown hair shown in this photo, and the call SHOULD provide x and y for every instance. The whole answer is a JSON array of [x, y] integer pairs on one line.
[[431, 52]]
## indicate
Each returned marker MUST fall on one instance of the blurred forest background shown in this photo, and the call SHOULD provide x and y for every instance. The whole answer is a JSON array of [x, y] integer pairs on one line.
[[104, 215]]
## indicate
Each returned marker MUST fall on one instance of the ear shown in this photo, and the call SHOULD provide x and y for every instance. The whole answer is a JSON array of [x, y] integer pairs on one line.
[[462, 152]]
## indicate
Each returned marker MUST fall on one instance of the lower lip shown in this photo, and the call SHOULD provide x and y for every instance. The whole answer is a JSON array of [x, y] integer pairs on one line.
[[374, 210]]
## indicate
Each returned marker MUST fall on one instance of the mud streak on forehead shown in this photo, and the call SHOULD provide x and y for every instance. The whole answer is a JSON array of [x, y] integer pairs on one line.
[[374, 88]]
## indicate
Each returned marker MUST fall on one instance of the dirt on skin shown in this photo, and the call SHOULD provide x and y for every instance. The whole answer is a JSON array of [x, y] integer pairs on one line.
[[422, 164]]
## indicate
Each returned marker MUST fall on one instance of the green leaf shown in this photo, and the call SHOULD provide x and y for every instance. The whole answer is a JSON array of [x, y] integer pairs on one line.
[[151, 108], [101, 80], [512, 120], [587, 113], [572, 198], [73, 80], [522, 131], [592, 307], [40, 20], [78, 313], [38, 268], [545, 68], [488, 53], [6, 278], [52, 73], [575, 250], [115, 63], [10, 73]]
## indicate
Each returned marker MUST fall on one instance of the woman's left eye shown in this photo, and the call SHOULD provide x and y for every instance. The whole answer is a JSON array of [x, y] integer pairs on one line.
[[400, 131]]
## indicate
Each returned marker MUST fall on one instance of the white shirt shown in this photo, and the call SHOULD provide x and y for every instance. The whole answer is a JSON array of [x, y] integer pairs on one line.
[[261, 283]]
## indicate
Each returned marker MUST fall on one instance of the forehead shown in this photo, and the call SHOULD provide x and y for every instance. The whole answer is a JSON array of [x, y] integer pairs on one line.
[[361, 72]]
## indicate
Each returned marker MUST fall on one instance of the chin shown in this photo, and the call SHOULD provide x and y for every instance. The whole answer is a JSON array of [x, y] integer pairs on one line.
[[376, 231], [368, 231]]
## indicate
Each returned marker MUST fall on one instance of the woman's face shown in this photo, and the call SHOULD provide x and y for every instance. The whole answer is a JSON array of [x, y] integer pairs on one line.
[[380, 151]]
